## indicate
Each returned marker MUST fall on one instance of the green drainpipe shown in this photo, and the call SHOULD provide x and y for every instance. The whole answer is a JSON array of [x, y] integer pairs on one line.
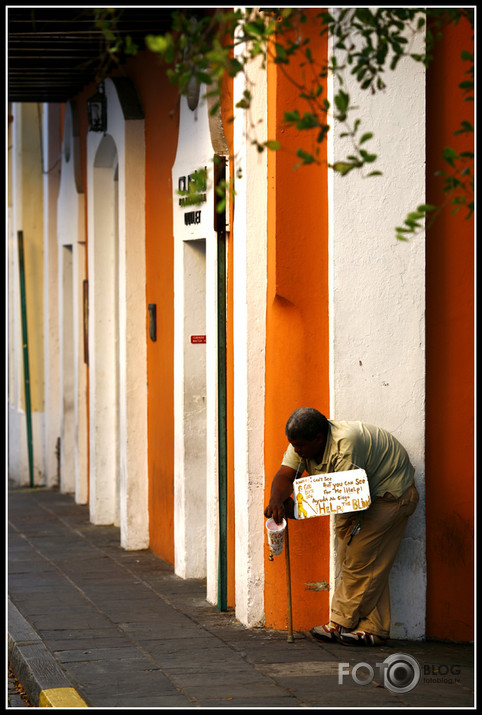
[[26, 370], [220, 228]]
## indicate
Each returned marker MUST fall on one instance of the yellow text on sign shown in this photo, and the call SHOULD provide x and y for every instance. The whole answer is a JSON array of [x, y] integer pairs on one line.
[[331, 493]]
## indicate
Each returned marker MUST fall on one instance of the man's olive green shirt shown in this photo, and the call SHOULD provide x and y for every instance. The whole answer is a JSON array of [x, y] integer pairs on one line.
[[350, 445]]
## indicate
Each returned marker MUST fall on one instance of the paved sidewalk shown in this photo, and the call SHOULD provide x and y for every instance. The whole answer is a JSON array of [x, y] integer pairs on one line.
[[119, 629]]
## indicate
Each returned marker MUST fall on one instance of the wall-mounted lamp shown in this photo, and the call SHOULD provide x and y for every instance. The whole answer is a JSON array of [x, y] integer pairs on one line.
[[97, 111]]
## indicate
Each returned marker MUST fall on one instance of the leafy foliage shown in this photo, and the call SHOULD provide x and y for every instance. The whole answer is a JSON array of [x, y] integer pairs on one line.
[[209, 45]]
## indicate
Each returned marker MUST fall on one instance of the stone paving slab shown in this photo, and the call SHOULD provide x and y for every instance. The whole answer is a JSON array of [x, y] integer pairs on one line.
[[125, 631]]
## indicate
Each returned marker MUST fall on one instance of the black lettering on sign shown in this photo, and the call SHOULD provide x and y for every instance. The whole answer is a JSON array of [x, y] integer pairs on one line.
[[192, 217]]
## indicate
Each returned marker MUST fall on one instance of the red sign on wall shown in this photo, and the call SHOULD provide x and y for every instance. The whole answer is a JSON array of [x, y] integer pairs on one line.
[[197, 339]]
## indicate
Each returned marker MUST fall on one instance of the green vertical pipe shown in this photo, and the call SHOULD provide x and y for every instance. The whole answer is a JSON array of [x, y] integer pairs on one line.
[[220, 228], [26, 369]]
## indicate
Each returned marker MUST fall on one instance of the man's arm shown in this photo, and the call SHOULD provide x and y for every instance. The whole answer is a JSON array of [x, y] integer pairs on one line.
[[281, 489]]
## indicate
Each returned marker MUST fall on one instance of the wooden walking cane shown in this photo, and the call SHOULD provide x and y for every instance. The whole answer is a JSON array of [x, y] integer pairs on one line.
[[288, 585]]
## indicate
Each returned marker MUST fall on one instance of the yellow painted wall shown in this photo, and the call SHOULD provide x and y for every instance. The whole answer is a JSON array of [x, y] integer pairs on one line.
[[30, 220]]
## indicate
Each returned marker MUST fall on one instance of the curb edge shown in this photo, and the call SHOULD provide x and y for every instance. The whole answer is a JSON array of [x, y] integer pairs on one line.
[[43, 680]]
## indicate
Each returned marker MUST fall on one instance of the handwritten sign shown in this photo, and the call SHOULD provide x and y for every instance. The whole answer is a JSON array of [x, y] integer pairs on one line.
[[331, 493]]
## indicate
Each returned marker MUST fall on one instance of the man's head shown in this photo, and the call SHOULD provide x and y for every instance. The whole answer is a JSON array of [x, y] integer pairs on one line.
[[307, 429], [306, 423]]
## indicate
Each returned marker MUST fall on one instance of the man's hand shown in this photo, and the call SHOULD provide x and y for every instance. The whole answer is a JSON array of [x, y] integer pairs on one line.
[[277, 511], [280, 502]]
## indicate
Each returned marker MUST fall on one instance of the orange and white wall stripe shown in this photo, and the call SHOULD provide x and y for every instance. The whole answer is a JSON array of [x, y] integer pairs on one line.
[[346, 322]]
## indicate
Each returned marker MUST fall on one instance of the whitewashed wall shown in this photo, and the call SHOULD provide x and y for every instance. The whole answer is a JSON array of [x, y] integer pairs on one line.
[[249, 300], [51, 181], [377, 302], [196, 523], [71, 273]]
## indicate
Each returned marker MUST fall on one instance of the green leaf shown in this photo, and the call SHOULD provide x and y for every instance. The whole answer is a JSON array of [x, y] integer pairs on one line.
[[305, 156], [130, 46], [158, 43], [366, 137], [369, 158], [203, 77], [449, 155], [281, 54], [292, 116], [343, 167], [234, 67], [342, 100], [243, 104], [466, 127], [215, 108], [308, 121], [323, 132], [273, 144], [415, 216]]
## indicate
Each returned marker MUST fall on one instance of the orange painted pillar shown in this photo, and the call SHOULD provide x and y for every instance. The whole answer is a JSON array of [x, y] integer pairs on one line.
[[158, 99], [297, 347], [450, 358]]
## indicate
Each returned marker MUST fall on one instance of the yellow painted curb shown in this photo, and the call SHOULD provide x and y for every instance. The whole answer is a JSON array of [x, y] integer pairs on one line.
[[61, 698]]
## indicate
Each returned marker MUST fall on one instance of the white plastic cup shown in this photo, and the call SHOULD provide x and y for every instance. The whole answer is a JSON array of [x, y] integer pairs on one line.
[[276, 536]]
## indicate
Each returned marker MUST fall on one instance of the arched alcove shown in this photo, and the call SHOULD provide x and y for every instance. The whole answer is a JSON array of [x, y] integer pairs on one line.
[[105, 349], [117, 306]]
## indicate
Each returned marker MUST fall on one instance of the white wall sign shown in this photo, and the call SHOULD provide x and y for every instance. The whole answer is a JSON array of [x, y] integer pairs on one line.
[[194, 212], [331, 493]]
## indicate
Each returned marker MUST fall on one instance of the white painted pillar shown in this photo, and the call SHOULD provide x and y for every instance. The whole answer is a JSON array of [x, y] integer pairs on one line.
[[67, 378], [103, 342], [249, 300], [377, 301], [134, 511], [195, 363], [51, 180], [71, 274], [80, 373]]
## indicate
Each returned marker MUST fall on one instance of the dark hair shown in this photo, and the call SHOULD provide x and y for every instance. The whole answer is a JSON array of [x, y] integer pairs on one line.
[[306, 423]]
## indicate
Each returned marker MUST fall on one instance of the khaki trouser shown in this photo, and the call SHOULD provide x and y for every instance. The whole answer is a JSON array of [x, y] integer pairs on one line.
[[362, 598]]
